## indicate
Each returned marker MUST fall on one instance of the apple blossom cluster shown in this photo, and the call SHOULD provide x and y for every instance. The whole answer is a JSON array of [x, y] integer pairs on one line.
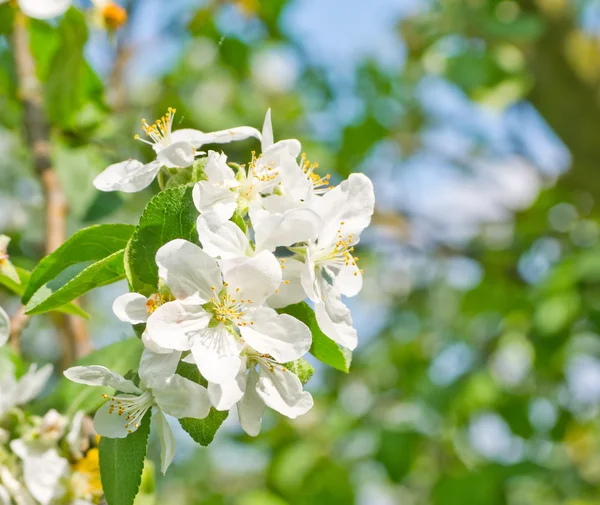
[[271, 233], [43, 460]]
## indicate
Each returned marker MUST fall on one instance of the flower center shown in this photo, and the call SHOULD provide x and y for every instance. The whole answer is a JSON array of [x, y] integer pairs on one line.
[[155, 301], [340, 254], [159, 131], [114, 16], [265, 360], [320, 184], [228, 309], [132, 408], [3, 258], [259, 175]]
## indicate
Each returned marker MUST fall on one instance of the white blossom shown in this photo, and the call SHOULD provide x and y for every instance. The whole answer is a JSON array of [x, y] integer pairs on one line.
[[12, 488], [173, 149], [43, 470], [215, 312], [262, 381], [224, 191], [330, 267], [15, 392], [159, 388]]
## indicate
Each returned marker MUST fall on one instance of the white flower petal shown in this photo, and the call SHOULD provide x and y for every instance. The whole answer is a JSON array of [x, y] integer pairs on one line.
[[32, 383], [151, 345], [226, 395], [257, 278], [282, 336], [188, 270], [4, 496], [156, 368], [173, 324], [44, 9], [75, 435], [131, 308], [218, 171], [177, 155], [282, 391], [188, 135], [291, 227], [180, 397], [251, 407], [308, 278], [216, 352], [267, 132], [167, 441], [215, 204], [96, 375], [4, 327], [42, 472], [291, 292], [14, 488], [289, 147], [350, 203], [129, 176], [349, 280], [226, 241], [109, 424], [334, 319], [4, 241], [226, 136]]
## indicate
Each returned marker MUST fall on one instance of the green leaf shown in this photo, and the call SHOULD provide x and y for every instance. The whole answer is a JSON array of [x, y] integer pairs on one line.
[[181, 178], [64, 83], [11, 285], [323, 348], [91, 258], [73, 283], [19, 289], [302, 369], [90, 244], [204, 430], [168, 216], [6, 19], [69, 397], [122, 463]]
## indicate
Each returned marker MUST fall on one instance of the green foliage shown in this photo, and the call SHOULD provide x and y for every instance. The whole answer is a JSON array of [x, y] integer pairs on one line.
[[122, 463], [74, 282], [19, 289], [6, 19], [323, 348], [397, 452], [204, 430], [88, 245], [70, 397], [169, 215], [302, 369], [66, 73], [91, 258]]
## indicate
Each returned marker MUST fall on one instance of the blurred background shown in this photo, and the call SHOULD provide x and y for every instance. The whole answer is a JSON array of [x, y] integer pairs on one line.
[[477, 377]]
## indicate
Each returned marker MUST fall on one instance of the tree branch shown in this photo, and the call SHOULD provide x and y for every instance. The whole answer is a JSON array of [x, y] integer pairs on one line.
[[37, 133]]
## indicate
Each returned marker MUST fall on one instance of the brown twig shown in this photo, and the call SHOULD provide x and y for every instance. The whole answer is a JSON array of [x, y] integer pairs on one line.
[[37, 133], [17, 323]]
